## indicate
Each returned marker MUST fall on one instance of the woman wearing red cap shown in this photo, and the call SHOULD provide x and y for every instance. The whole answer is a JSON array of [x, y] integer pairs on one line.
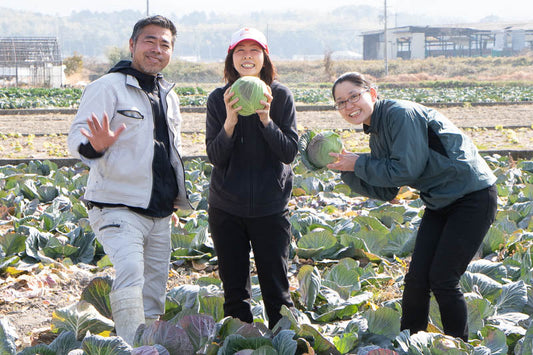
[[251, 181]]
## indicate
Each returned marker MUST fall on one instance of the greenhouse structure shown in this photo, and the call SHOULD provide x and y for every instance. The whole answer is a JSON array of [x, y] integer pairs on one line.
[[30, 61]]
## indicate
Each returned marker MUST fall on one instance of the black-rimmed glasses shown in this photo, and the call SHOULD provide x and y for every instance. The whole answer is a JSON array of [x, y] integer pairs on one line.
[[340, 105]]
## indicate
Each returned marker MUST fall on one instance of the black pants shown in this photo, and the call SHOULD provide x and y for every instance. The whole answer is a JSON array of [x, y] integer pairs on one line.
[[269, 238], [447, 241]]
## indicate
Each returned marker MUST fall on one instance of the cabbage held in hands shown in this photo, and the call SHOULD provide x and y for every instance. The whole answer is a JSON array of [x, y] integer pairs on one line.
[[250, 90], [315, 148]]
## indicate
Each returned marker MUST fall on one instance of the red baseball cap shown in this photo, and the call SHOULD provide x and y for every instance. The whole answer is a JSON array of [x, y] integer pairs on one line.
[[248, 33]]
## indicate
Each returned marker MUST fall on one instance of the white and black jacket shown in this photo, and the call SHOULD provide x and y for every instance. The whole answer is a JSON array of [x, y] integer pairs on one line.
[[124, 175]]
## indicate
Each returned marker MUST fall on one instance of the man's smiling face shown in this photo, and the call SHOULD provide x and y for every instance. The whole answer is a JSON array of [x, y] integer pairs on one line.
[[152, 50]]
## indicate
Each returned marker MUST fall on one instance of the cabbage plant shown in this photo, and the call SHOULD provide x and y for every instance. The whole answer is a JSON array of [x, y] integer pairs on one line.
[[250, 90], [315, 148], [347, 300]]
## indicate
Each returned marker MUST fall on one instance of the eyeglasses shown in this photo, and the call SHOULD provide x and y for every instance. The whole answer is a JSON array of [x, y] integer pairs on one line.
[[341, 105]]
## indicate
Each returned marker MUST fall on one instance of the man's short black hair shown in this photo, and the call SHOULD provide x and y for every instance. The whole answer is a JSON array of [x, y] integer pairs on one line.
[[157, 20]]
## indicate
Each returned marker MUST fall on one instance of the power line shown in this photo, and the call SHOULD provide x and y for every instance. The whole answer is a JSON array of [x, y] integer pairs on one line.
[[385, 55]]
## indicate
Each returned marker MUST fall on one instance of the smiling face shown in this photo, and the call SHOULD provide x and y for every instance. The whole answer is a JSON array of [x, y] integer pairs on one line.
[[152, 49], [248, 58], [358, 112]]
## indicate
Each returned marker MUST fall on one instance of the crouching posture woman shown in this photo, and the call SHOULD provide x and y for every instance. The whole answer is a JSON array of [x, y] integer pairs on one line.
[[417, 146]]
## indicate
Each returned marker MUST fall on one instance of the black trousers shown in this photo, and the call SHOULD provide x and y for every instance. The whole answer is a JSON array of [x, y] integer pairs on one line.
[[269, 238], [447, 241]]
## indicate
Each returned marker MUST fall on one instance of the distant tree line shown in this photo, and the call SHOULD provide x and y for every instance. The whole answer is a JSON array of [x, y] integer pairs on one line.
[[204, 36]]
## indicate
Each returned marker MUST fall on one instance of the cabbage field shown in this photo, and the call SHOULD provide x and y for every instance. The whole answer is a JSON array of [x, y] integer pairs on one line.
[[24, 98], [348, 259]]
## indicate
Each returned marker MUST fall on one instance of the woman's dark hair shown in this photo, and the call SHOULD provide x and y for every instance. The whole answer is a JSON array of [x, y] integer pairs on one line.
[[157, 20], [354, 77], [268, 73]]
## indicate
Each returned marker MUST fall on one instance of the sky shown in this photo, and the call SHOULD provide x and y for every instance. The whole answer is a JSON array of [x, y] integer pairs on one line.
[[470, 10]]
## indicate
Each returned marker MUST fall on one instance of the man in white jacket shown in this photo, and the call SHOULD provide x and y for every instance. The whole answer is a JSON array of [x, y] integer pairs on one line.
[[127, 130]]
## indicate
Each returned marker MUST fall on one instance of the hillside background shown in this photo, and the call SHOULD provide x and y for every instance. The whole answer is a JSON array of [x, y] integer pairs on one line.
[[204, 36]]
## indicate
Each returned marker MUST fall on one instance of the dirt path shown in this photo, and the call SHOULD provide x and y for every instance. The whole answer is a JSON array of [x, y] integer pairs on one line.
[[50, 130], [480, 116]]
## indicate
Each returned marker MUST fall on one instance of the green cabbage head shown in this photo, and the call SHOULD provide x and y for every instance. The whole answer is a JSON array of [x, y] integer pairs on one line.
[[250, 90], [315, 148]]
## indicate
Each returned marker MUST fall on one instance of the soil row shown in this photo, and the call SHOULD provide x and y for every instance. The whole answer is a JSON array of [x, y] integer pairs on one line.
[[496, 127]]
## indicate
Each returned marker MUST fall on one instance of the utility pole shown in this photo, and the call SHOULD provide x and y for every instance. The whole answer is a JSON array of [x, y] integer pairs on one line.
[[385, 40], [147, 7]]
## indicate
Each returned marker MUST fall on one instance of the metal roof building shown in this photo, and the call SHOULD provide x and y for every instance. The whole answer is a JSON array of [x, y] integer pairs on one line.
[[30, 61], [473, 40]]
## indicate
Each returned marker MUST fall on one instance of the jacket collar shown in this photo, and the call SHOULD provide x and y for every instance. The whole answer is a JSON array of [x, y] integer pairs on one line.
[[133, 76], [375, 119], [163, 84]]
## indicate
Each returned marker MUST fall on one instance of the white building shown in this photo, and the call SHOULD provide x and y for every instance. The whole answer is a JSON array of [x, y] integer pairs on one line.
[[474, 40]]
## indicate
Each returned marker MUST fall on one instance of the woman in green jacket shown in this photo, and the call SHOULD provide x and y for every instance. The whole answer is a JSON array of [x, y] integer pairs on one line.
[[414, 145]]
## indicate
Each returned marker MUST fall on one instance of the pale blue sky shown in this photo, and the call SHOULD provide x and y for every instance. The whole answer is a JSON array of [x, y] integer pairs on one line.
[[469, 10]]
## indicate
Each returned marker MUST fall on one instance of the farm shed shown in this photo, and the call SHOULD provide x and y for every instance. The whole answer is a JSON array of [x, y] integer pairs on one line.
[[30, 61], [417, 42]]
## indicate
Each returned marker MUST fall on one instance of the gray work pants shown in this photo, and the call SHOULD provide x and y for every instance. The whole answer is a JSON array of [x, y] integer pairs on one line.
[[139, 248]]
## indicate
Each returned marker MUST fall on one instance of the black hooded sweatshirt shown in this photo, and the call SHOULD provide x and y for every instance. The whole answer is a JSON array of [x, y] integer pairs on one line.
[[164, 186]]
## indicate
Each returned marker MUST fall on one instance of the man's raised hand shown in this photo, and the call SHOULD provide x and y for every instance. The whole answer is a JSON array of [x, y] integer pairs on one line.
[[100, 136]]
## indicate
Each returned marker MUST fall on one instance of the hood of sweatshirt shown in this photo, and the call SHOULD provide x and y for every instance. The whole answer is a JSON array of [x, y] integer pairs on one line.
[[148, 82]]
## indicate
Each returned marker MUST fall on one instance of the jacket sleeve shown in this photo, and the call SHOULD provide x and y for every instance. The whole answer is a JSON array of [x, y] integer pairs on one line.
[[406, 136], [173, 109], [282, 138], [96, 99], [359, 186], [218, 145]]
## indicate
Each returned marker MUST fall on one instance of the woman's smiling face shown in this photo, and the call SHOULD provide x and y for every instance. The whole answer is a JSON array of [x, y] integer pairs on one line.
[[355, 103], [248, 58]]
